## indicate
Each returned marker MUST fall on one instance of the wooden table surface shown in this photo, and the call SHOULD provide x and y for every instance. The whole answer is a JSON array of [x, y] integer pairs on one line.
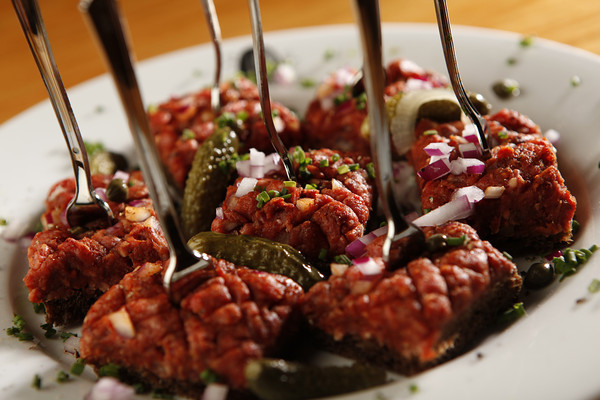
[[159, 26]]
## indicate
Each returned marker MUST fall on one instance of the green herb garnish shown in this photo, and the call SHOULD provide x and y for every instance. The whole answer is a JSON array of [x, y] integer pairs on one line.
[[343, 169], [512, 314], [78, 367], [110, 369], [594, 286], [209, 376], [62, 377], [342, 259], [37, 382]]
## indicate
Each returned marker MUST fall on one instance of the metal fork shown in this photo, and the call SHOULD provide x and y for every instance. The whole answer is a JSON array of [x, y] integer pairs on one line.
[[86, 207], [103, 16], [367, 14], [215, 33], [443, 21], [260, 65]]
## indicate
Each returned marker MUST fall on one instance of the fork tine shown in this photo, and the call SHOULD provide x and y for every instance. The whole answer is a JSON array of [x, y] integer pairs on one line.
[[215, 32]]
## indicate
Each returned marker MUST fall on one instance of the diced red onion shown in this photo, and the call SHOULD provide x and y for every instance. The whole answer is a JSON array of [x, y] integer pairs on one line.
[[473, 193], [413, 84], [557, 253], [258, 165], [552, 135], [257, 157], [101, 192], [455, 209], [435, 170], [368, 266], [246, 186], [466, 165], [284, 74], [109, 388], [272, 163], [124, 176], [469, 150], [137, 203], [358, 246], [438, 149], [219, 213]]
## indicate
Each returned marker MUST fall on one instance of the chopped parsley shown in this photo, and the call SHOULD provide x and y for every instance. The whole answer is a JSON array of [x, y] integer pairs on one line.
[[65, 335], [110, 369], [526, 41], [17, 329], [307, 83], [36, 382], [50, 332], [512, 314], [78, 367], [39, 308], [92, 148], [62, 377]]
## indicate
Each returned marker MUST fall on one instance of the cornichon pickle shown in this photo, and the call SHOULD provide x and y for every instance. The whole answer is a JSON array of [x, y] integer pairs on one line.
[[274, 379], [207, 181], [257, 253]]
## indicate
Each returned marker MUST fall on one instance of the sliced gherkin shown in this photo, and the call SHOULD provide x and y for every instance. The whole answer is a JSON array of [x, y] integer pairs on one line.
[[257, 253], [207, 182], [273, 379]]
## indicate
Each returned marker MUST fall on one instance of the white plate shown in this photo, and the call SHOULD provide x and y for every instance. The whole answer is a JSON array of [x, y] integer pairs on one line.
[[552, 353]]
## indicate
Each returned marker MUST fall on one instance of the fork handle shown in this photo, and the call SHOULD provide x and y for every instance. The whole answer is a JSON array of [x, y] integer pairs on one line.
[[32, 23], [104, 17]]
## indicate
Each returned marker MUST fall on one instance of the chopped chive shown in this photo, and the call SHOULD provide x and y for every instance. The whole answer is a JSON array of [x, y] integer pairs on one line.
[[413, 388], [343, 169], [262, 198], [289, 184], [242, 115], [512, 314], [507, 255], [354, 167], [342, 259], [188, 134], [456, 241], [361, 101], [286, 196], [503, 134], [323, 254], [324, 163], [335, 157], [273, 193], [430, 132], [575, 81], [370, 170], [310, 186]]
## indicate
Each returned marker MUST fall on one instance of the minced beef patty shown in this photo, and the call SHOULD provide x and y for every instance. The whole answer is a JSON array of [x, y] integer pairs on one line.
[[536, 209], [182, 124], [235, 315], [418, 315], [327, 218], [70, 269], [334, 119]]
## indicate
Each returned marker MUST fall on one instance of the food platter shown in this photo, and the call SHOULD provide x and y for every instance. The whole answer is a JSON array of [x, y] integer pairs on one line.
[[550, 353]]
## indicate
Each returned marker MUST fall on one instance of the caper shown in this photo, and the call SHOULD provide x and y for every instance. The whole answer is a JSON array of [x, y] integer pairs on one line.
[[117, 190], [480, 103], [539, 275], [506, 88], [107, 163], [437, 242]]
